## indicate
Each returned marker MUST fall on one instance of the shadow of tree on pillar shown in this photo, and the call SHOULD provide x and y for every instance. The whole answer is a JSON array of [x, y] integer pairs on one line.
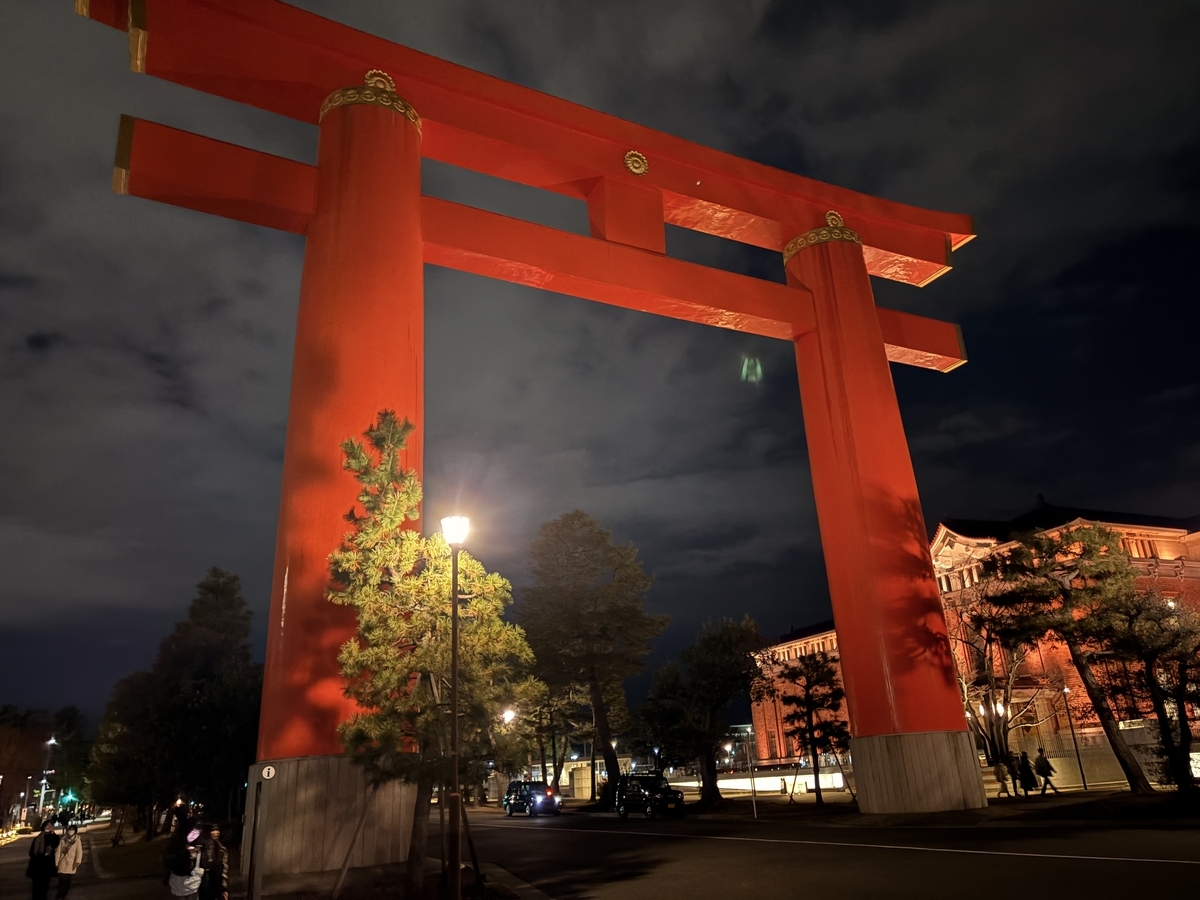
[[914, 619]]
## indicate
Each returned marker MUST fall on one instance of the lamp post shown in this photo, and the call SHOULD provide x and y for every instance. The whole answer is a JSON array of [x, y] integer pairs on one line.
[[455, 529], [50, 744], [1071, 722]]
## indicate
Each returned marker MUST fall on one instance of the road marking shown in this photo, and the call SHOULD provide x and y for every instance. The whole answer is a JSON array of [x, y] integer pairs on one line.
[[755, 840]]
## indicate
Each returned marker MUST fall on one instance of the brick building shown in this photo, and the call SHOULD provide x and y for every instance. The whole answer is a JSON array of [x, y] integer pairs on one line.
[[1165, 552], [772, 743]]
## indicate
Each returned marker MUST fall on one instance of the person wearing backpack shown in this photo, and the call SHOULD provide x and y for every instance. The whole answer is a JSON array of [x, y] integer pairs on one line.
[[183, 863], [1044, 769]]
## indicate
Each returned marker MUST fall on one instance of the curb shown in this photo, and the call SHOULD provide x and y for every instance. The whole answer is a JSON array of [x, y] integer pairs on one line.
[[507, 879], [100, 871]]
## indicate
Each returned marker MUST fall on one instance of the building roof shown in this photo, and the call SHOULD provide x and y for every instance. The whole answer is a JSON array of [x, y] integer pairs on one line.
[[807, 631], [1047, 515]]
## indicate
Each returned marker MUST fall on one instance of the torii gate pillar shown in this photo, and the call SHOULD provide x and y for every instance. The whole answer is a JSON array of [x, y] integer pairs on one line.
[[909, 748], [360, 339]]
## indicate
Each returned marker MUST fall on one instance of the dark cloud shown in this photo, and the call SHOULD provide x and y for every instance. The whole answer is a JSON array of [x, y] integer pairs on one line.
[[144, 383]]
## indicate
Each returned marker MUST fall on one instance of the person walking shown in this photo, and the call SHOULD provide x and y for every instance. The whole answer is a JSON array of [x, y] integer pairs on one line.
[[1000, 771], [68, 858], [1025, 771], [214, 859], [183, 863], [1045, 769], [41, 860], [1013, 773]]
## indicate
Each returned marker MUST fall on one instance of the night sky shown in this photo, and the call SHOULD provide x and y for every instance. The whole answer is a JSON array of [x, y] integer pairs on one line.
[[146, 350]]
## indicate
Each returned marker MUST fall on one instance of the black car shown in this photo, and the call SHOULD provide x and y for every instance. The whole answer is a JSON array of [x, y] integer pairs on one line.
[[649, 795], [532, 798]]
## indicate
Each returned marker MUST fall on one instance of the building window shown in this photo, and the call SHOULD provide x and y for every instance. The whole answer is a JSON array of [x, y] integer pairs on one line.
[[773, 744], [1140, 548]]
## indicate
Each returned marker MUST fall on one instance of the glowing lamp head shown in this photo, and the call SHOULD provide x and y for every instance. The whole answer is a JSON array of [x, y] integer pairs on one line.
[[455, 529], [508, 716], [52, 742]]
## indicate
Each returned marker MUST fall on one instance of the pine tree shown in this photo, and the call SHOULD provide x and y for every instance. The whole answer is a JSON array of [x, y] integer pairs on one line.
[[397, 665], [189, 725], [1058, 583], [586, 616], [1157, 642], [815, 694], [682, 712]]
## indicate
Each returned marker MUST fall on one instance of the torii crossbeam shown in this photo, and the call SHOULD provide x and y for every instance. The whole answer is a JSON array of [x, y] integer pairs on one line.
[[380, 108]]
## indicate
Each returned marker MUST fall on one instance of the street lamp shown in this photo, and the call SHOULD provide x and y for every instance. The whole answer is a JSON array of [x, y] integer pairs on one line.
[[1071, 722], [508, 715], [50, 744], [455, 529]]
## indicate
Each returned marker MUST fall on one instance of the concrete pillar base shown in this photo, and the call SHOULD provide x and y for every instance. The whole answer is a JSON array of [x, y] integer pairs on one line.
[[925, 772], [308, 809]]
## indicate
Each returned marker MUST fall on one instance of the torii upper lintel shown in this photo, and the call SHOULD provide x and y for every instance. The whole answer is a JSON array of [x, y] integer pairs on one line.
[[369, 232]]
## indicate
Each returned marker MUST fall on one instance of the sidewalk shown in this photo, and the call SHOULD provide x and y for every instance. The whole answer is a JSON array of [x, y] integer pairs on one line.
[[1078, 809]]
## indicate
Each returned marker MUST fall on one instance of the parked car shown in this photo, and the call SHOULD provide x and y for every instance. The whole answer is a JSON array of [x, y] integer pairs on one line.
[[650, 795], [532, 798]]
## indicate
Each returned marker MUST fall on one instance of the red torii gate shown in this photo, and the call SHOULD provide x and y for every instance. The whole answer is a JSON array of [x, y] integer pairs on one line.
[[369, 232]]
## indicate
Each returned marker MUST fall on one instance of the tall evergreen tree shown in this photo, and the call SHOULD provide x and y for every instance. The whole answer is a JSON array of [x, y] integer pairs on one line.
[[682, 711], [586, 617], [397, 665], [1158, 643], [190, 724], [1057, 584], [814, 692]]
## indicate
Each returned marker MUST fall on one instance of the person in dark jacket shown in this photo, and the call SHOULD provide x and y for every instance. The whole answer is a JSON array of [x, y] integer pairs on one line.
[[41, 860], [214, 859], [1044, 768], [1025, 770]]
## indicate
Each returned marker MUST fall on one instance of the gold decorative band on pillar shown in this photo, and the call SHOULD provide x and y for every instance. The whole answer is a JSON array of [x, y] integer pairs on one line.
[[378, 90], [834, 230]]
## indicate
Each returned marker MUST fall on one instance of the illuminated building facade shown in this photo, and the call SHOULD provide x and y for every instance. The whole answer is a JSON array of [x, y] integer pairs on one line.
[[1164, 551], [772, 745]]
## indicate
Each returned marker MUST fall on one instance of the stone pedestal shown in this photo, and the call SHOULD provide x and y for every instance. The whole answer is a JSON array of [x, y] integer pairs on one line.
[[302, 817], [924, 772]]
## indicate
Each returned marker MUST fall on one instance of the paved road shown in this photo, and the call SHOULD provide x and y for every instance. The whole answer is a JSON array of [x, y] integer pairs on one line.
[[600, 856]]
